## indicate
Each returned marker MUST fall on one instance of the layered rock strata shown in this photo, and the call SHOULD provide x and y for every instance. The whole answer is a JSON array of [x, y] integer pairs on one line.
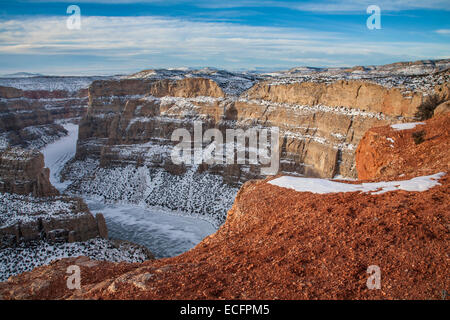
[[127, 130], [31, 208], [28, 118], [60, 218], [391, 151], [22, 171], [131, 121]]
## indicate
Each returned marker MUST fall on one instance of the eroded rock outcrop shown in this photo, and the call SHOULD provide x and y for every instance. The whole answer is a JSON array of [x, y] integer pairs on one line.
[[32, 209], [420, 149], [354, 94], [278, 243], [281, 244], [442, 109], [320, 124], [10, 93], [56, 219], [22, 171], [27, 117], [126, 133]]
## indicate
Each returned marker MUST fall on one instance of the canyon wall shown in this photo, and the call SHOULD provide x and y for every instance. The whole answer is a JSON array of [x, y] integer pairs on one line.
[[292, 244], [32, 209], [55, 219], [126, 133], [28, 118], [22, 171], [360, 95]]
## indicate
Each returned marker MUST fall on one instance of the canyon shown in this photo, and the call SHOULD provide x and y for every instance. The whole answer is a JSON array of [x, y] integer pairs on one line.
[[31, 109], [336, 125], [319, 244], [321, 124], [126, 132]]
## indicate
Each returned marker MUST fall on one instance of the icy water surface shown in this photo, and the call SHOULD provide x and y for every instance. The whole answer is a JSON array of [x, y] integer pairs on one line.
[[57, 154], [165, 233]]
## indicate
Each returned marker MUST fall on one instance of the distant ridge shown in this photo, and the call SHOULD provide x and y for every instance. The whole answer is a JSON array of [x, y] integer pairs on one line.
[[21, 75]]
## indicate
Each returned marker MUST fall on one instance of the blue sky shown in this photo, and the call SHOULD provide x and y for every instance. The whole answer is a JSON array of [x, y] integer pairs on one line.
[[126, 36]]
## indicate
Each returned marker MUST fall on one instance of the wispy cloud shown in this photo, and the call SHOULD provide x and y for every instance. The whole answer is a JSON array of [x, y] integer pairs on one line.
[[307, 5], [142, 42], [334, 6], [443, 31]]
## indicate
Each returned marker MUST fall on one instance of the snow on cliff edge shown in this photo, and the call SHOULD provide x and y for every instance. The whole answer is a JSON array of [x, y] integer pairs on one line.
[[323, 186]]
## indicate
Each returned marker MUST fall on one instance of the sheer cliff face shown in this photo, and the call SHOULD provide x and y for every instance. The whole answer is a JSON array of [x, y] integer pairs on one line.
[[320, 124], [354, 94], [28, 115]]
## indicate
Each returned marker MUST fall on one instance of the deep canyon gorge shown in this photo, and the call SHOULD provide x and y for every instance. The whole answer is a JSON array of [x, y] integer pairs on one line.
[[86, 170]]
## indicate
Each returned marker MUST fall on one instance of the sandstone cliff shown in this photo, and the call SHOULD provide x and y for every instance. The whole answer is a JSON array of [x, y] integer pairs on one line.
[[320, 124], [31, 208], [27, 117], [126, 132], [22, 172], [360, 95], [442, 109], [61, 218]]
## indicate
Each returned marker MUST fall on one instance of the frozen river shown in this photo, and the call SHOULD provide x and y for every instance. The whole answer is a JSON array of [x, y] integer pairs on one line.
[[164, 232]]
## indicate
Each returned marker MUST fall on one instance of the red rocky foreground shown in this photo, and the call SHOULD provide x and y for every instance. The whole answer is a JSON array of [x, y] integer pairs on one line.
[[281, 244]]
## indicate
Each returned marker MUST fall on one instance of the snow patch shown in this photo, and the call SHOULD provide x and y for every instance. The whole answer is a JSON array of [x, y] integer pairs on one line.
[[323, 186], [27, 256], [405, 126]]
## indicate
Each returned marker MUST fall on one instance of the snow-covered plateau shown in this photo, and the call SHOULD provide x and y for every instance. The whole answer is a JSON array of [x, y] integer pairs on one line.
[[25, 257], [416, 77], [50, 83], [146, 204], [16, 208]]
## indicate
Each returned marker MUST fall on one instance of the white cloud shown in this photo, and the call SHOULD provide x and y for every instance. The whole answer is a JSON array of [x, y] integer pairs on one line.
[[162, 42], [134, 35], [334, 6], [443, 31]]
